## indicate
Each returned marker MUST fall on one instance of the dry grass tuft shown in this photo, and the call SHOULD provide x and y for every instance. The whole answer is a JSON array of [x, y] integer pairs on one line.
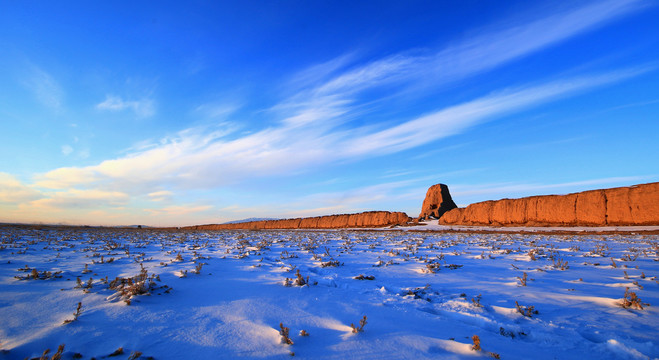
[[56, 356], [632, 301], [284, 334], [477, 343], [527, 311], [362, 277], [197, 269], [140, 284], [117, 352], [75, 314], [477, 301], [34, 274], [359, 329], [300, 281]]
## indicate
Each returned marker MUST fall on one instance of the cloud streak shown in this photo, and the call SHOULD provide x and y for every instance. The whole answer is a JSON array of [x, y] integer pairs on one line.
[[82, 199], [44, 87], [316, 123], [197, 160], [142, 108], [13, 191], [474, 55]]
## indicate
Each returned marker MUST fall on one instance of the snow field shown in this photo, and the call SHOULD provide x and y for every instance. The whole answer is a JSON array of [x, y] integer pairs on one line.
[[429, 294]]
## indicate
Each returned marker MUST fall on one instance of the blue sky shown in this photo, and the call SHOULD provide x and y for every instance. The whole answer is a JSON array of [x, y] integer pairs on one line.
[[204, 112]]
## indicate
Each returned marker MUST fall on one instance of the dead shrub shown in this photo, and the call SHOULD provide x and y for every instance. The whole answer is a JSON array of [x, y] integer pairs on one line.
[[477, 343], [126, 288], [477, 301], [75, 314], [359, 329], [284, 334], [632, 301], [117, 352], [362, 277], [527, 311]]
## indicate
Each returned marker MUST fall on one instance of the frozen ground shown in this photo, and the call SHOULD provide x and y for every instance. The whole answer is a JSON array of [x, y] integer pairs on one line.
[[431, 293]]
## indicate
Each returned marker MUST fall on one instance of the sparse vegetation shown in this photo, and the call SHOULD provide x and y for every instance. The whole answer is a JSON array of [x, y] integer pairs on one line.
[[477, 301], [362, 277], [117, 352], [275, 254], [527, 311], [476, 343], [34, 274], [56, 356], [632, 301], [76, 314], [126, 288], [285, 339], [359, 329]]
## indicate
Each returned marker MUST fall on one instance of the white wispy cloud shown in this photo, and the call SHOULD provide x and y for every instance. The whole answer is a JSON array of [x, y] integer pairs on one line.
[[44, 87], [308, 126], [493, 47], [81, 199], [197, 160], [180, 209], [220, 110], [67, 150], [66, 177], [141, 108], [13, 191], [160, 195], [455, 119]]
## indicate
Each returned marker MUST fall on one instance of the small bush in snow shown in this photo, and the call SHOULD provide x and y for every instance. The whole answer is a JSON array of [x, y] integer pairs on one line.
[[118, 352], [477, 301], [477, 343], [330, 263], [197, 269], [527, 311], [432, 268], [86, 269], [56, 356], [284, 334], [359, 329], [558, 263], [75, 314], [126, 288], [300, 281], [34, 274], [362, 277], [632, 301]]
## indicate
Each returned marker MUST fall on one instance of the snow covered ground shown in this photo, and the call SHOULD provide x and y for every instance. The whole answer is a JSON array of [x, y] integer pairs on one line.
[[524, 296]]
